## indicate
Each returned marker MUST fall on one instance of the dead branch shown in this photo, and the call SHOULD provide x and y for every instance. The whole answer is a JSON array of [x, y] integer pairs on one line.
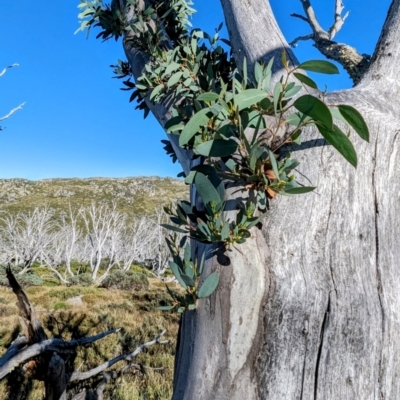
[[13, 111], [354, 63], [56, 345], [32, 328], [81, 376], [46, 362], [8, 67]]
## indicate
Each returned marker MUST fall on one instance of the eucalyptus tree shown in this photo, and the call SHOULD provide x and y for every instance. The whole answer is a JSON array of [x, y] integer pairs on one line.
[[27, 236], [308, 303], [104, 225]]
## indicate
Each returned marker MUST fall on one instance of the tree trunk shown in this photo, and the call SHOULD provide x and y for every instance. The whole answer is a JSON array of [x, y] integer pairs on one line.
[[309, 307]]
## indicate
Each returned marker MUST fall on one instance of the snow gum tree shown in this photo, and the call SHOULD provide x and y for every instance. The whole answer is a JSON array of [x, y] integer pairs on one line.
[[307, 304]]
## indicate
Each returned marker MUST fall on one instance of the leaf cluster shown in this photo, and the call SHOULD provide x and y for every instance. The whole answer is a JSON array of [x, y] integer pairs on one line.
[[188, 273], [233, 122]]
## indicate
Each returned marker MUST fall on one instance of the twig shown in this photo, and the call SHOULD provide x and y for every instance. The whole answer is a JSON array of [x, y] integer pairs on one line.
[[294, 42], [6, 68], [300, 16], [81, 376], [13, 111], [339, 20]]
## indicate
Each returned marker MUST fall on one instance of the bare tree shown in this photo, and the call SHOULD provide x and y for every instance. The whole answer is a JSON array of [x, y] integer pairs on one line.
[[72, 234], [309, 305], [104, 225], [26, 236]]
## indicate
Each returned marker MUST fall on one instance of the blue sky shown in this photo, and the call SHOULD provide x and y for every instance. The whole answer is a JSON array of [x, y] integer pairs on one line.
[[77, 123]]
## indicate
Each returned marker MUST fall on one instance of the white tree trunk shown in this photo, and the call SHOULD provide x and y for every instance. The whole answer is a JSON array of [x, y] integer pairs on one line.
[[309, 308]]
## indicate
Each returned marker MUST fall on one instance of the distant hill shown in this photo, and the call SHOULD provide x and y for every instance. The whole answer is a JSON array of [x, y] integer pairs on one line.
[[140, 195]]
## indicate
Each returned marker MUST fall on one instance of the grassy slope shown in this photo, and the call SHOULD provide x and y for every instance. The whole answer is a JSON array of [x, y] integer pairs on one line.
[[135, 312], [135, 196], [102, 309]]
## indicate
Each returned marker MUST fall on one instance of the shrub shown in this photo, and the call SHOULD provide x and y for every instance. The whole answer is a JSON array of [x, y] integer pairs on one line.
[[81, 280], [60, 306], [125, 280], [25, 280], [66, 293]]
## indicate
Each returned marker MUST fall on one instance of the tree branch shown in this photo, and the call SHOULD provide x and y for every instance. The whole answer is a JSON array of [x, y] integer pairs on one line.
[[13, 111], [34, 331], [81, 376], [354, 63], [312, 18], [300, 16], [294, 42], [138, 59], [8, 67], [339, 20], [57, 345]]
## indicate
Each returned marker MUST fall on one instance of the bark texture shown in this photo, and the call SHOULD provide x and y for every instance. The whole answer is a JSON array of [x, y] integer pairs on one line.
[[309, 307]]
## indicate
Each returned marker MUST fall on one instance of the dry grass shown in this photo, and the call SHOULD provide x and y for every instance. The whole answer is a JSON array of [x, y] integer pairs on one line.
[[102, 309]]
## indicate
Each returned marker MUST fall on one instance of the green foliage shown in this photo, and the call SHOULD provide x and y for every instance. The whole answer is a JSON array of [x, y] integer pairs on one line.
[[60, 306], [125, 280], [25, 280], [236, 125], [82, 280], [188, 272]]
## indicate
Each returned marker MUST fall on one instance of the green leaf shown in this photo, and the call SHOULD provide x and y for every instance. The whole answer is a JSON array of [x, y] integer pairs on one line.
[[249, 97], [173, 228], [321, 66], [306, 80], [296, 119], [178, 275], [231, 164], [340, 142], [255, 221], [273, 163], [187, 254], [355, 120], [166, 308], [209, 96], [244, 72], [209, 285], [171, 68], [197, 122], [174, 79], [156, 91], [207, 191], [258, 72], [336, 114], [216, 148], [277, 95], [225, 232], [292, 91], [188, 280], [267, 76], [299, 190], [316, 109], [176, 128]]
